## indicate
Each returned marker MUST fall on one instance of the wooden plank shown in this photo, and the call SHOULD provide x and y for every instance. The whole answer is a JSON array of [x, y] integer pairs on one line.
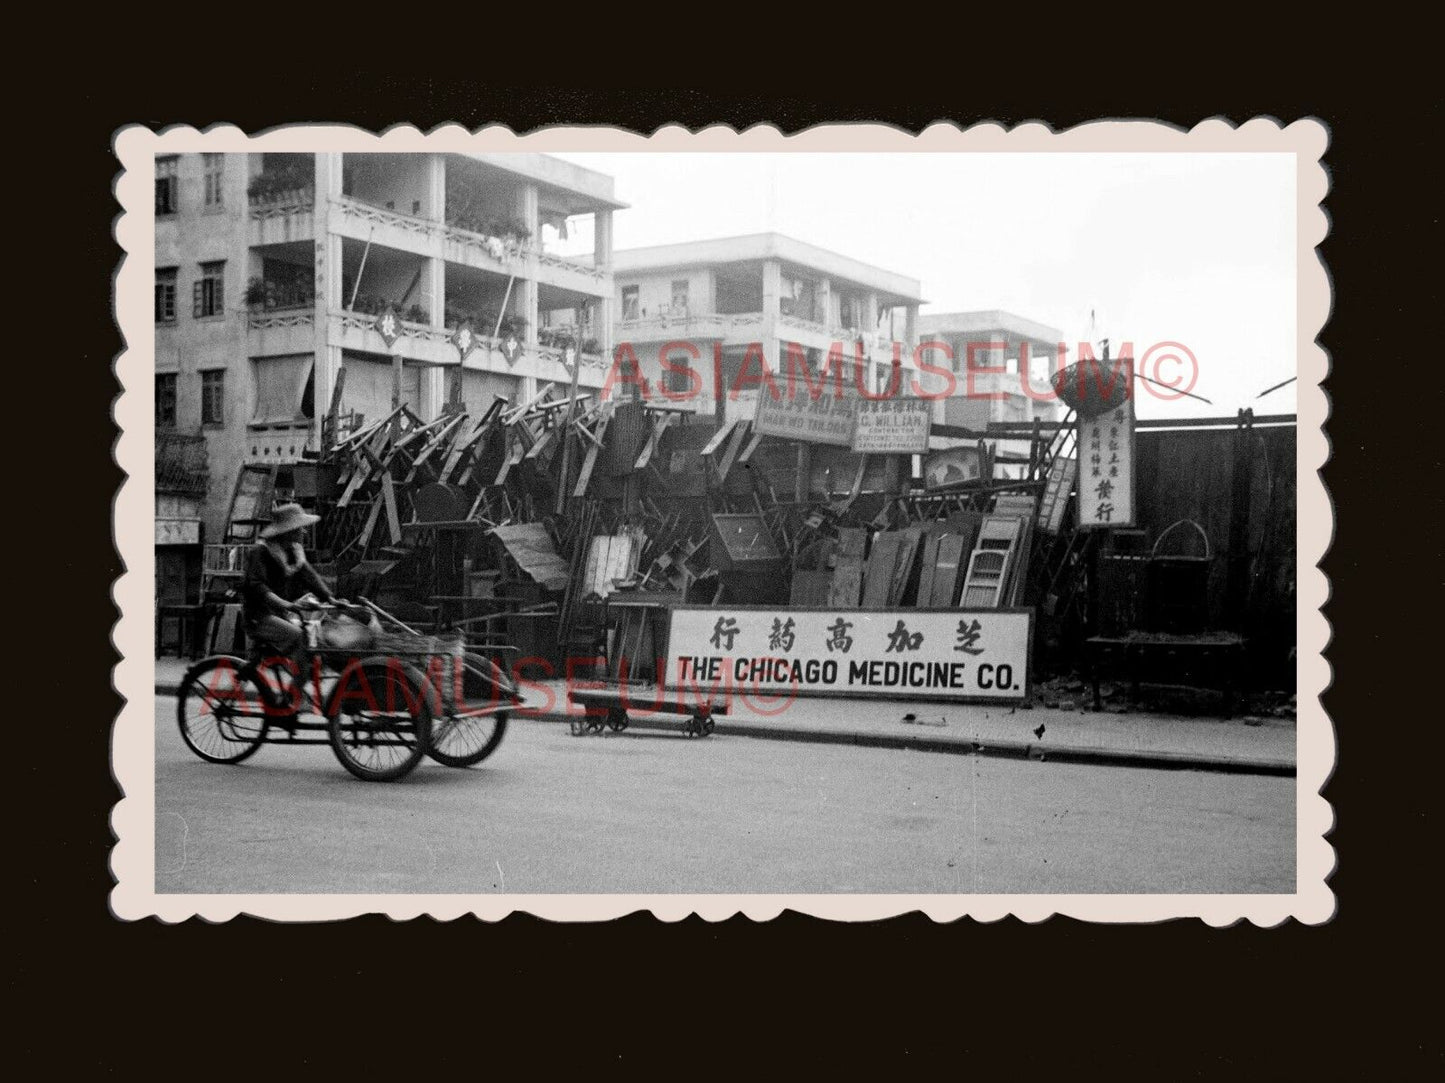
[[531, 547], [852, 542], [590, 463], [718, 437], [649, 449], [928, 566], [734, 445], [752, 447], [944, 587], [435, 443], [393, 521], [908, 546], [878, 572], [510, 419], [514, 456], [847, 586], [812, 588], [542, 441], [371, 520]]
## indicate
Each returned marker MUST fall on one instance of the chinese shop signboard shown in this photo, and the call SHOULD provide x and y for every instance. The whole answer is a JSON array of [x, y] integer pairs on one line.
[[964, 655], [1106, 468], [828, 419], [893, 426]]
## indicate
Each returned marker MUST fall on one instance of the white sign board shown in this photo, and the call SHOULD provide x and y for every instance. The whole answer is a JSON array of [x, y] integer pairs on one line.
[[827, 419], [893, 426], [966, 655], [1106, 468]]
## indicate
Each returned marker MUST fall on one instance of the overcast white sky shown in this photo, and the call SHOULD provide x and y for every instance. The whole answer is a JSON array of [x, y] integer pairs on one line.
[[1192, 248]]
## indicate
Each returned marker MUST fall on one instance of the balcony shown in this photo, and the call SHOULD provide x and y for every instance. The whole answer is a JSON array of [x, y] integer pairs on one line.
[[424, 344], [280, 318], [665, 326], [282, 204], [501, 249], [181, 465]]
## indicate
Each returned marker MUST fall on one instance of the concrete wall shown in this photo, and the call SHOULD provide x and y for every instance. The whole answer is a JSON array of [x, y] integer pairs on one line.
[[655, 290], [397, 181], [196, 234]]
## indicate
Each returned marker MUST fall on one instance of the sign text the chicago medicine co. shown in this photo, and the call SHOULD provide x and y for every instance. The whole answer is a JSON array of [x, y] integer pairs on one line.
[[954, 654]]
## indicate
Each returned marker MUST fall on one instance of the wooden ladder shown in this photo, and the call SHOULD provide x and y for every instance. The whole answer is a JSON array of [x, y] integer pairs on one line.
[[988, 567]]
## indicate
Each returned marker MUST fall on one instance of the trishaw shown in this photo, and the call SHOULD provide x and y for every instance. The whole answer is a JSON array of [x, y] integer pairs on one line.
[[394, 696]]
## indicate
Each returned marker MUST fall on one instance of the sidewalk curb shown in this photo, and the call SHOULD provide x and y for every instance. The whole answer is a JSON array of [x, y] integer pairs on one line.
[[959, 746]]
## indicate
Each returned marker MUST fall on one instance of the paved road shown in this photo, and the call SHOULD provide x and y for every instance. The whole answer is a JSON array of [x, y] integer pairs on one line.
[[656, 813]]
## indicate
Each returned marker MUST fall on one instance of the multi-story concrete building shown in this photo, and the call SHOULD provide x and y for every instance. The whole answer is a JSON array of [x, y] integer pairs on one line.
[[270, 269], [1001, 364], [705, 302]]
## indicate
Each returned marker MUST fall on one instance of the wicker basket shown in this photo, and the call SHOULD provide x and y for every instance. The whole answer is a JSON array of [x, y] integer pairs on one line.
[[437, 656]]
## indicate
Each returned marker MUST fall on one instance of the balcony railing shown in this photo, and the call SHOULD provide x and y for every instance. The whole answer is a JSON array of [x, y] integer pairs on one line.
[[263, 320], [181, 463], [270, 296], [279, 193]]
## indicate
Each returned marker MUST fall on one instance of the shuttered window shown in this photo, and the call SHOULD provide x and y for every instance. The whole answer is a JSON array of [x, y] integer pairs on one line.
[[165, 400], [213, 397], [167, 195], [208, 293], [214, 172], [165, 295]]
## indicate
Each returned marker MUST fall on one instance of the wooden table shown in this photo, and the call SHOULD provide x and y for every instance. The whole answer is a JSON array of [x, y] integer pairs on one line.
[[1156, 658]]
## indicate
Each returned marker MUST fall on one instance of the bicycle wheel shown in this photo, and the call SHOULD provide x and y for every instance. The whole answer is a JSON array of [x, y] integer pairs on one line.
[[463, 737], [221, 710], [380, 719]]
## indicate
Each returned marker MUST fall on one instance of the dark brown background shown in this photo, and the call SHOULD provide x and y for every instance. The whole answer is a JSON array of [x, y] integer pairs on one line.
[[1182, 999]]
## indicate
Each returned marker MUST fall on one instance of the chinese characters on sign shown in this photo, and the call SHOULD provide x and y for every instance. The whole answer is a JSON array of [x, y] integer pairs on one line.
[[824, 420], [1106, 468], [958, 655], [895, 426]]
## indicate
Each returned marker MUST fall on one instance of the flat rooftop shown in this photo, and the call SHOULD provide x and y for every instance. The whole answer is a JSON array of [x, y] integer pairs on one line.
[[561, 177], [893, 288], [991, 321]]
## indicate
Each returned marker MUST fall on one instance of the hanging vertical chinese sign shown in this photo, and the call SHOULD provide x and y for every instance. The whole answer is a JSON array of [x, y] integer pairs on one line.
[[1106, 468]]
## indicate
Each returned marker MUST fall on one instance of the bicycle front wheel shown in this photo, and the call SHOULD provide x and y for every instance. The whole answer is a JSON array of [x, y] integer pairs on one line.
[[380, 719], [222, 710]]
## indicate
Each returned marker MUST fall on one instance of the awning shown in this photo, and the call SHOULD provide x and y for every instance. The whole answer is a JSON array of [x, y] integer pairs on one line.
[[531, 547], [281, 387]]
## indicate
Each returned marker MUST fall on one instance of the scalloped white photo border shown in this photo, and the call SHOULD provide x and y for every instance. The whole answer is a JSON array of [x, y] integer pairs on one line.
[[133, 738]]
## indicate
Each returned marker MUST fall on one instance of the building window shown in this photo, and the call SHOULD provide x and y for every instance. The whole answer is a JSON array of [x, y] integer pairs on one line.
[[208, 295], [165, 295], [679, 295], [630, 311], [165, 400], [167, 196], [214, 168], [213, 397]]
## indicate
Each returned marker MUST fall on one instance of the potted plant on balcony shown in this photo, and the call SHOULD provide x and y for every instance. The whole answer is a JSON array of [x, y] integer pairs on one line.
[[256, 292]]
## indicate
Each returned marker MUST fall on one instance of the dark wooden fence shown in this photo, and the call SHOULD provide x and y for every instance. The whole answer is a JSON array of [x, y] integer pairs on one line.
[[1239, 484]]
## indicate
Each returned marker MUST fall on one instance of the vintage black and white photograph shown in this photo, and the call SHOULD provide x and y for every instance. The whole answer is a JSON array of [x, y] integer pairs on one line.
[[581, 516]]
